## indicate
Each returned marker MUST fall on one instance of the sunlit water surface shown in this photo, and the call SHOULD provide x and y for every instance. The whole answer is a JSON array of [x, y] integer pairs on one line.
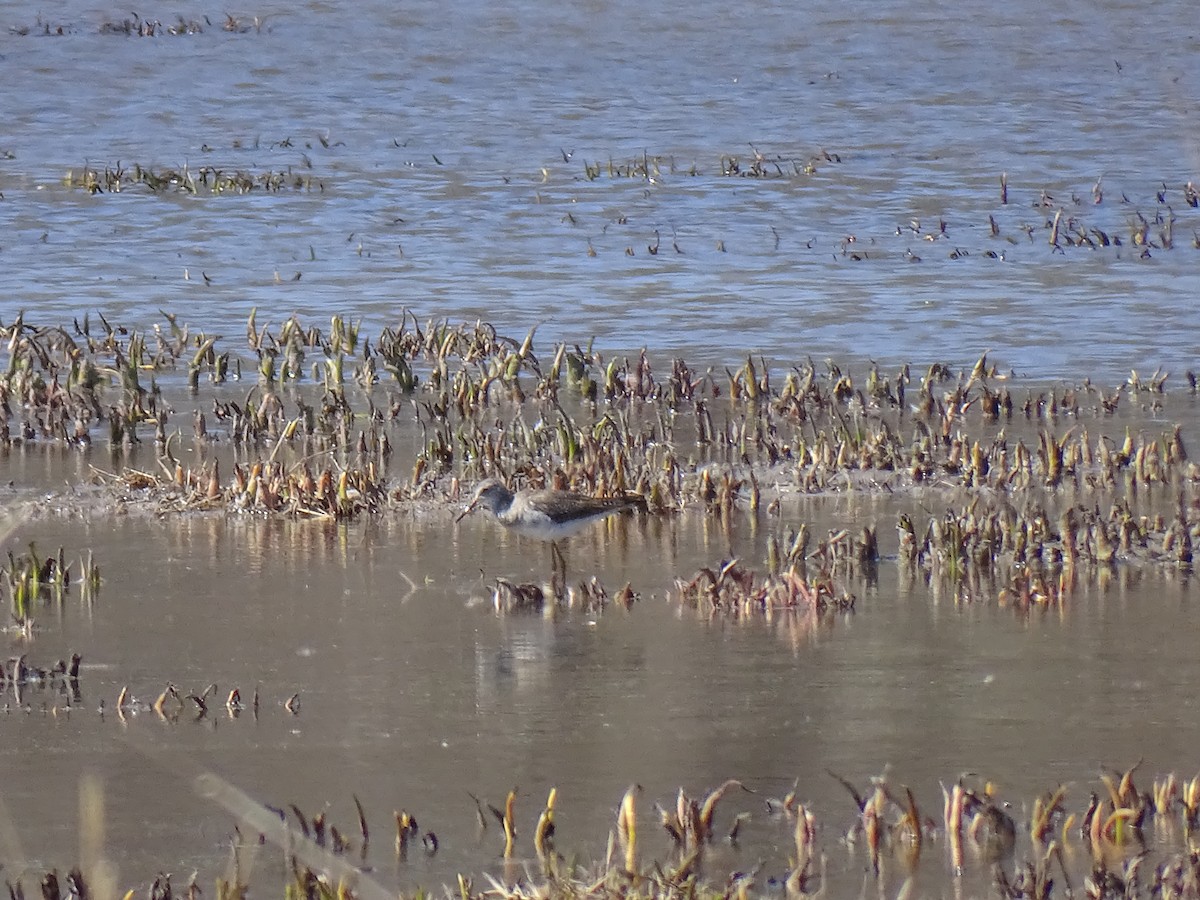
[[445, 151]]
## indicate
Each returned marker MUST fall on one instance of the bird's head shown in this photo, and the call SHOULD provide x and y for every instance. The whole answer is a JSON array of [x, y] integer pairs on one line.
[[491, 494]]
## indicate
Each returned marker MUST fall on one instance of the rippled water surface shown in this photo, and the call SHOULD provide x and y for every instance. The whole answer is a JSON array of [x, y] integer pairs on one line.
[[444, 153], [705, 179]]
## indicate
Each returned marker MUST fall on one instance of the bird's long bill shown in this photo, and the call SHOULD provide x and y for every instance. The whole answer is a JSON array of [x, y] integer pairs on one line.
[[466, 512]]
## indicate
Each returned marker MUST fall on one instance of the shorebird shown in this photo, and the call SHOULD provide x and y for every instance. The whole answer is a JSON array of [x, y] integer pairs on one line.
[[547, 515]]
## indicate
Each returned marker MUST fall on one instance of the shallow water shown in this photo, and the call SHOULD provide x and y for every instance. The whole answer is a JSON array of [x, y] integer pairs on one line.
[[447, 151], [411, 697]]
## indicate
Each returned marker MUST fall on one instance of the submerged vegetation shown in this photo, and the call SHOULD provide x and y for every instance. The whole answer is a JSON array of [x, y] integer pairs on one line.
[[1063, 223], [1124, 843], [1018, 495], [205, 180], [32, 583], [336, 424], [136, 26], [1013, 495]]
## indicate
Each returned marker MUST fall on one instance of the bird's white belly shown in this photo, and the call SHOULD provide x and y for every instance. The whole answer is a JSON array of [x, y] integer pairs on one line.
[[539, 525]]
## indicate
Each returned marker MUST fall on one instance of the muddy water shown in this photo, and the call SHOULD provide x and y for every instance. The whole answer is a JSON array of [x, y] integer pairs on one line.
[[414, 692]]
